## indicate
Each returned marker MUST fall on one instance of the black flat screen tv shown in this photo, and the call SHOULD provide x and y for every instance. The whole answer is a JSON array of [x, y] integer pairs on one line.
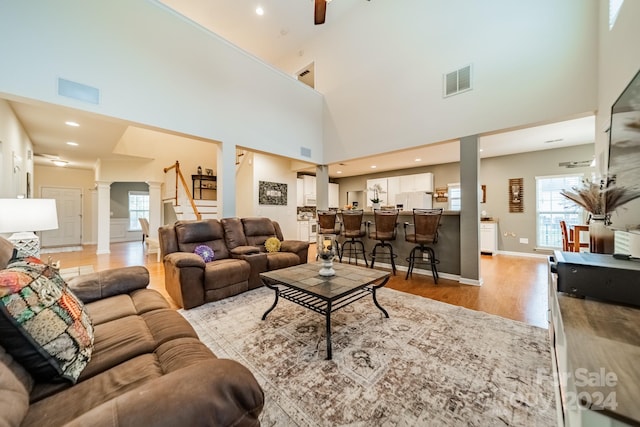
[[624, 152]]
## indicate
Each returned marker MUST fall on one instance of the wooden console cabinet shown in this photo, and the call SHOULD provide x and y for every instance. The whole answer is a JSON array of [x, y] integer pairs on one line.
[[596, 350]]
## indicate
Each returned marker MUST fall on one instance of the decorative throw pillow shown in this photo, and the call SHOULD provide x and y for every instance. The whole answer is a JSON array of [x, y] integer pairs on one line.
[[42, 324], [272, 244], [205, 252]]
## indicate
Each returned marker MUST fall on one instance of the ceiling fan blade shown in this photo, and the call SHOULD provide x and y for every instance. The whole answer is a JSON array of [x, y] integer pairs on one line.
[[320, 12]]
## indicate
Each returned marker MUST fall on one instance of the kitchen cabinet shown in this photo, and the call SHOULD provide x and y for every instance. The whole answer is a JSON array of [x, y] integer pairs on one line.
[[309, 185], [334, 195], [393, 189], [489, 237], [303, 231], [299, 192], [417, 182]]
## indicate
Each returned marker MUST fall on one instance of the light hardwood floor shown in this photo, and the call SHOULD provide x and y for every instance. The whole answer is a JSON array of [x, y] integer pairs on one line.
[[514, 287]]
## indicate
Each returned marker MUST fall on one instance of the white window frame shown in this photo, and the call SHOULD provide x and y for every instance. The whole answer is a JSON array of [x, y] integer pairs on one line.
[[455, 196], [552, 207], [134, 214]]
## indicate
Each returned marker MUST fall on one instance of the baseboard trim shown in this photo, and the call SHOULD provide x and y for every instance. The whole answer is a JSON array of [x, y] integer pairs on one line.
[[473, 282], [523, 254]]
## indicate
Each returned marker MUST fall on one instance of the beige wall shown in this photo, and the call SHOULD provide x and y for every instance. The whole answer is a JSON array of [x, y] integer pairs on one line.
[[15, 158], [53, 176]]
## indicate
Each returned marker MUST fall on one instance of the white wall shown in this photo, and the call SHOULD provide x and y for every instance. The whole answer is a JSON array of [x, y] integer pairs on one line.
[[15, 147], [155, 68], [381, 70], [275, 169]]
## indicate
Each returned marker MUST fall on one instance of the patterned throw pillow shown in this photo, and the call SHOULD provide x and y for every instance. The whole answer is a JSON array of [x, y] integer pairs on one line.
[[42, 324], [272, 244], [205, 252]]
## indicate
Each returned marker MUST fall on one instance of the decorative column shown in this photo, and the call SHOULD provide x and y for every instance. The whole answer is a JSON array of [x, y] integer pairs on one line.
[[104, 217], [226, 181], [470, 212], [155, 208]]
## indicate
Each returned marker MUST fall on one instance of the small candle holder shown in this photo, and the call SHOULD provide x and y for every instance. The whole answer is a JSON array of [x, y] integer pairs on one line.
[[326, 247]]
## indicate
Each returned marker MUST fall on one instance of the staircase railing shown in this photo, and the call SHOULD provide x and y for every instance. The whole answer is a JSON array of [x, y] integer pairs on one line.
[[180, 178]]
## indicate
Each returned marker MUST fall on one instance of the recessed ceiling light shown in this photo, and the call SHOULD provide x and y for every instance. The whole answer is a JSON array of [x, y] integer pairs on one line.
[[481, 150], [73, 144], [74, 124], [338, 171], [373, 166], [60, 162], [418, 159], [260, 10]]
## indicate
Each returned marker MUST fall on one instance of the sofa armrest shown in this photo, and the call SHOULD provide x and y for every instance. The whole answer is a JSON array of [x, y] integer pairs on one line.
[[107, 283], [293, 246], [185, 259], [244, 250], [217, 392]]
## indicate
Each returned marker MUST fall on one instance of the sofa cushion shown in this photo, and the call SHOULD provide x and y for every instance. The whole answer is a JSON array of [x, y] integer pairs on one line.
[[258, 230], [278, 260], [225, 272], [206, 232], [15, 386], [42, 324]]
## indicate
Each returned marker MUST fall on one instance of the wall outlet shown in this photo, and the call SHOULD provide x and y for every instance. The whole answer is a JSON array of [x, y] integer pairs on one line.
[[524, 240]]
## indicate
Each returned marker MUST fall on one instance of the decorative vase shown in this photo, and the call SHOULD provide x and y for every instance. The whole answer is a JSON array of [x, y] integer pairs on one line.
[[375, 205], [326, 252], [600, 236]]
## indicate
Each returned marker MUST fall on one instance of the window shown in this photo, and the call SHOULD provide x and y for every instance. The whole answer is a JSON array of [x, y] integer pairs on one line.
[[552, 207], [454, 196], [614, 9], [138, 208]]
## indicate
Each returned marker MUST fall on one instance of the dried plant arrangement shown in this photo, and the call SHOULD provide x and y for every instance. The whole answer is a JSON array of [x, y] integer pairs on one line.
[[601, 198]]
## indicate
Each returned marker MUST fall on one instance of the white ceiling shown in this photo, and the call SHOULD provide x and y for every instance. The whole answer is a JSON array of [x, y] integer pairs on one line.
[[284, 27]]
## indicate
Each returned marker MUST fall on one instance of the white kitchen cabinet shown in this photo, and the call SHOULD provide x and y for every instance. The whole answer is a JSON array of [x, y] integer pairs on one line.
[[489, 237], [299, 192], [334, 195], [309, 185], [417, 182], [393, 189], [303, 231]]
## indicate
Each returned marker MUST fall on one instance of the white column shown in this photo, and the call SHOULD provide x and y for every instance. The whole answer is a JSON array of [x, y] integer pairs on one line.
[[226, 181], [470, 212], [155, 208], [104, 217]]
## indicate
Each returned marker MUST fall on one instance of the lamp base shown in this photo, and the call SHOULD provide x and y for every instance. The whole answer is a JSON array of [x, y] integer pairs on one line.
[[26, 242]]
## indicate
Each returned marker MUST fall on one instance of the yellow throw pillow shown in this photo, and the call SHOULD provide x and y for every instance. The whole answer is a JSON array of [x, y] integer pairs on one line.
[[272, 244]]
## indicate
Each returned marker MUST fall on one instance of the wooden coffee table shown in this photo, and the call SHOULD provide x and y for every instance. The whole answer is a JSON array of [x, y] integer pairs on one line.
[[303, 285]]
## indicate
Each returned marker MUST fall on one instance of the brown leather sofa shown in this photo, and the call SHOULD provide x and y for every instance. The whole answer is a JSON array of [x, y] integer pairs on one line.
[[240, 256], [148, 367]]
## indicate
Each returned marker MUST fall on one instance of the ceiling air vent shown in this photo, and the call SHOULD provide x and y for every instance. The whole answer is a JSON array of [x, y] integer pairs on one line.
[[578, 164], [457, 81]]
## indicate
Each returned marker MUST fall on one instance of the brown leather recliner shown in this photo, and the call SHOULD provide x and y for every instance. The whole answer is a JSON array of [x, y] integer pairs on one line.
[[240, 257]]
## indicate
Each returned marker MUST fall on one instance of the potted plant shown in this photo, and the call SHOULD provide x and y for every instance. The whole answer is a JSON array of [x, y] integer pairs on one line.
[[377, 190], [600, 199]]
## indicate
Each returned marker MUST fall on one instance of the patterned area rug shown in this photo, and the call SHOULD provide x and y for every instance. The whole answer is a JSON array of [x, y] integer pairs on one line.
[[430, 363]]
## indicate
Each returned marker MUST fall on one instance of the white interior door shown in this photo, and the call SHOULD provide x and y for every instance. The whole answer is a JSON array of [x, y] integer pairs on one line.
[[69, 207]]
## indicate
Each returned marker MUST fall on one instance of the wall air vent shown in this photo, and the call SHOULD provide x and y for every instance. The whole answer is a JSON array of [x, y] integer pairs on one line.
[[78, 91], [578, 164], [305, 152], [457, 81]]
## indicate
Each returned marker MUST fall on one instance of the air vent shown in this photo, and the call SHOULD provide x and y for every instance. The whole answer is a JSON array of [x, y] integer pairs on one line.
[[304, 73], [457, 81], [305, 152], [578, 164], [78, 91]]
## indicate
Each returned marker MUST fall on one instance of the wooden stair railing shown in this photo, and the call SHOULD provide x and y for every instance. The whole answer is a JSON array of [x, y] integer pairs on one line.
[[180, 178]]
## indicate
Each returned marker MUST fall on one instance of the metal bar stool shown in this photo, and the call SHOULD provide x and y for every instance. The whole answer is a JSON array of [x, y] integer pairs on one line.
[[328, 224], [425, 232], [386, 225], [352, 230]]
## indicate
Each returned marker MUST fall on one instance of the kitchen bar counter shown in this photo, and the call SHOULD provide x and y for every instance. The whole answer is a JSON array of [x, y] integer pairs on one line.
[[447, 249]]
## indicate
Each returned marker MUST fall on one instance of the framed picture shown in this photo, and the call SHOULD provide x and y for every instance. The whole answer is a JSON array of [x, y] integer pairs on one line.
[[272, 193]]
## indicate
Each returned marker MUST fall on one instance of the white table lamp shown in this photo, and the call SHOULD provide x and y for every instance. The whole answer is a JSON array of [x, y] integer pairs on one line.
[[24, 216]]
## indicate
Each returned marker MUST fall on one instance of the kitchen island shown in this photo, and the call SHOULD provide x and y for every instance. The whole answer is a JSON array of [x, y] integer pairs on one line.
[[447, 249]]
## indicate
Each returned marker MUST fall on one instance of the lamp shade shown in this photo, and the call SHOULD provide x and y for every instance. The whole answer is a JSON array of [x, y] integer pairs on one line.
[[17, 215]]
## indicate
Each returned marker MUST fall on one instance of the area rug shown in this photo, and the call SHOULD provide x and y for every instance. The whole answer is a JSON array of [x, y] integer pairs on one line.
[[430, 363]]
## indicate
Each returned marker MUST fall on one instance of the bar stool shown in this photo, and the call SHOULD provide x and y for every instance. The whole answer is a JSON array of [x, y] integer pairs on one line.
[[386, 225], [352, 230], [328, 224], [425, 232]]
